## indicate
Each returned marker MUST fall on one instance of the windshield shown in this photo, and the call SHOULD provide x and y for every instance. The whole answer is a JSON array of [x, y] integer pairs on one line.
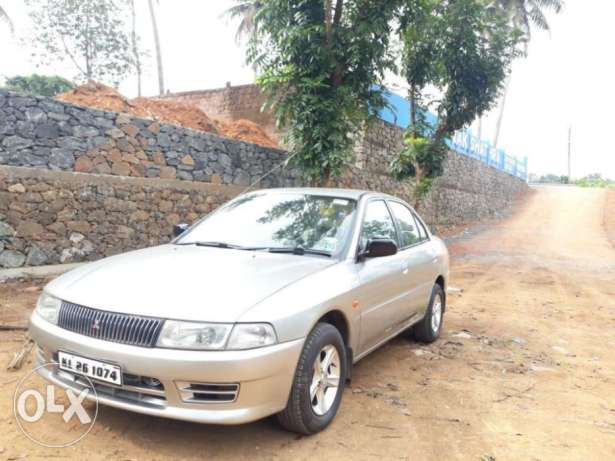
[[278, 220]]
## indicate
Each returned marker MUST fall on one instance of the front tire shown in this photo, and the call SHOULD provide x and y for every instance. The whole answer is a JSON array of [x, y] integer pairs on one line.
[[319, 382], [428, 329]]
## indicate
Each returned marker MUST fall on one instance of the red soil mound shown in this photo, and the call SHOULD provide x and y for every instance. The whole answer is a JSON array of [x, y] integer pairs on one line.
[[93, 94], [176, 113], [97, 95], [246, 130]]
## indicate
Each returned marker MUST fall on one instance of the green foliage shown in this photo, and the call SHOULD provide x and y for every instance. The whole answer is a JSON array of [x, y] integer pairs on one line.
[[595, 180], [591, 180], [526, 13], [456, 55], [41, 85], [422, 157], [90, 34], [322, 62], [423, 187], [320, 65], [549, 179], [246, 11]]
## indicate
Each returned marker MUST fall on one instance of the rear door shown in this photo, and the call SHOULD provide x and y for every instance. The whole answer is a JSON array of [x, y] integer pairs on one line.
[[418, 258]]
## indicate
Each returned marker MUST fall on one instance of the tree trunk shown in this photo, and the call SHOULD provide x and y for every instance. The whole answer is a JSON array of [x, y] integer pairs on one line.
[[417, 168], [498, 126], [6, 18], [418, 177], [328, 21], [135, 49], [88, 63], [413, 108], [157, 44], [327, 178]]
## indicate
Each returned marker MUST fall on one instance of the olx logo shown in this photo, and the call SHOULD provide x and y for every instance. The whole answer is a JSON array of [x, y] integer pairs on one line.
[[39, 405], [49, 404]]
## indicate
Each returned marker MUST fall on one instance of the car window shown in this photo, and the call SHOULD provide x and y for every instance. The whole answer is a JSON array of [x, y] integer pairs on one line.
[[409, 234], [421, 228], [377, 223]]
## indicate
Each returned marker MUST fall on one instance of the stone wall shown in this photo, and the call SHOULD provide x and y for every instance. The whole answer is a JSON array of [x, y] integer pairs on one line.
[[44, 133], [82, 183], [51, 217], [469, 189]]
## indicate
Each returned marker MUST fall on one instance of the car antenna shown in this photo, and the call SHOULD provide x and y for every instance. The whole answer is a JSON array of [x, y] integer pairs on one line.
[[282, 163]]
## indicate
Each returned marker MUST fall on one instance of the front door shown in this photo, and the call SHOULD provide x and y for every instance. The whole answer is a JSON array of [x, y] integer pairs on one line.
[[381, 291]]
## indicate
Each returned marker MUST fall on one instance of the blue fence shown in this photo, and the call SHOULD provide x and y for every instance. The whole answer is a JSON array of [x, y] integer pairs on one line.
[[464, 142]]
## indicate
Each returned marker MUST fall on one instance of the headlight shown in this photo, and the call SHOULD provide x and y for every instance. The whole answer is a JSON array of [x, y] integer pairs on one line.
[[190, 335], [251, 335], [48, 307], [215, 336]]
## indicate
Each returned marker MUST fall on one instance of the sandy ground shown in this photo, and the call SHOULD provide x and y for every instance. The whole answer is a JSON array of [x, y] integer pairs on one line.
[[525, 369]]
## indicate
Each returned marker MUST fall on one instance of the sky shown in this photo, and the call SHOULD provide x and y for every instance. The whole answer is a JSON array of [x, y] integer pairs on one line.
[[568, 78]]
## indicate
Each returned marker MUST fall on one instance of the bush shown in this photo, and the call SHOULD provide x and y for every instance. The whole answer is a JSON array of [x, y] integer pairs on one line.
[[41, 85]]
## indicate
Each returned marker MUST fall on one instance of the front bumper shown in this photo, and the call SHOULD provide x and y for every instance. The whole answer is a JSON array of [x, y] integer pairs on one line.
[[264, 376]]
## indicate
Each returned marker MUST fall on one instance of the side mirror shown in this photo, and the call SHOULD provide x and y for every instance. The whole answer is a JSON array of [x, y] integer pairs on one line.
[[379, 247], [179, 229]]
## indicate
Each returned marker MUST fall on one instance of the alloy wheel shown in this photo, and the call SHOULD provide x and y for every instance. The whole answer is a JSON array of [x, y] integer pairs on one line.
[[436, 314], [326, 380]]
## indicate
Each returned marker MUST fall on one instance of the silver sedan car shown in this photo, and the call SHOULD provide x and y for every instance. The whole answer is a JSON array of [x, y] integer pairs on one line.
[[260, 308]]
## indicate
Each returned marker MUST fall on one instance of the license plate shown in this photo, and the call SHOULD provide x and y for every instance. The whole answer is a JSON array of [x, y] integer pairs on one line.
[[94, 369]]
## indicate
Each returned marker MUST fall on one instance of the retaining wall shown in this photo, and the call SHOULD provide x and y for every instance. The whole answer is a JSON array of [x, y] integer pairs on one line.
[[80, 183], [56, 216]]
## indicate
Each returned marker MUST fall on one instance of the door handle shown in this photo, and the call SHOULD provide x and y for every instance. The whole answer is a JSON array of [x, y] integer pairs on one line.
[[405, 271]]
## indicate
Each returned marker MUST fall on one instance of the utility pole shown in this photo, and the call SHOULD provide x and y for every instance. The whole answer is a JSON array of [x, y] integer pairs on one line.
[[569, 139]]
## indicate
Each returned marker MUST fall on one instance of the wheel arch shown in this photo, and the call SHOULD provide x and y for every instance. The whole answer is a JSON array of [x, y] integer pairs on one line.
[[440, 280], [338, 319]]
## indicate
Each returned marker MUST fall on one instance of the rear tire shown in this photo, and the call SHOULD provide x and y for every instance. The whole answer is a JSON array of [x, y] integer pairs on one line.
[[428, 329], [313, 400]]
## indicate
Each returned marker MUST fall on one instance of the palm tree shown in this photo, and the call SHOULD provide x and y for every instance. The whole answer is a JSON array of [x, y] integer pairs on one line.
[[4, 17], [523, 14], [152, 14], [246, 10], [135, 46]]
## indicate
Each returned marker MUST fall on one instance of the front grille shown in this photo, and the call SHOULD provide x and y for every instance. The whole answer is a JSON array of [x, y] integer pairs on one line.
[[110, 326]]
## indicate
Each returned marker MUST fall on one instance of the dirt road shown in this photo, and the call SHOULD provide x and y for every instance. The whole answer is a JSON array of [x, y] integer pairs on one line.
[[525, 369]]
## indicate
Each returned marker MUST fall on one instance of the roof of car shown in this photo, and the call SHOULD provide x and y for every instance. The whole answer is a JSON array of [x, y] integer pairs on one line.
[[355, 194]]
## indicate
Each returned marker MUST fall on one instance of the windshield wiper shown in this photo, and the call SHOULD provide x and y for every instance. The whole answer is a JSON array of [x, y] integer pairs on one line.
[[290, 250], [295, 251], [213, 244]]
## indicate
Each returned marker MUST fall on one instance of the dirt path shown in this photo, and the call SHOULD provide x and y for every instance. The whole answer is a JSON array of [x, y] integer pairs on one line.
[[524, 371]]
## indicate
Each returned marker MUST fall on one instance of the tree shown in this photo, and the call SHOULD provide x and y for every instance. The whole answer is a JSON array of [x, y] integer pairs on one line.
[[41, 85], [321, 66], [523, 14], [152, 14], [4, 17], [456, 55], [90, 34], [246, 10], [135, 46]]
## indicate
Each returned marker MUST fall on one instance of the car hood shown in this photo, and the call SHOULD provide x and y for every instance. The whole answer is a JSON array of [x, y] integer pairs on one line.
[[184, 282]]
